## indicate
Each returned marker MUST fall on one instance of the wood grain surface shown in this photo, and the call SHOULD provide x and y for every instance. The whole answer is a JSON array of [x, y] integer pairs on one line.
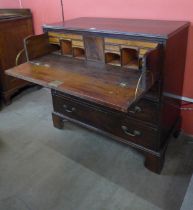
[[109, 86]]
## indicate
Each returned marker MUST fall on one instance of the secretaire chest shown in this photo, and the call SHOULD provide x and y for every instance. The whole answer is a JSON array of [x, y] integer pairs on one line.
[[114, 76]]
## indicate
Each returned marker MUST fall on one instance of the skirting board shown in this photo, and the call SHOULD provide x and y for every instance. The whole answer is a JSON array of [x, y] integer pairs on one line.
[[182, 98]]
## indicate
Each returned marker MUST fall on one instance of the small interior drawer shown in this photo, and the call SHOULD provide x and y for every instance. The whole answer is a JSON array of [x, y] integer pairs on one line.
[[77, 43], [133, 43], [54, 40], [65, 36], [109, 47]]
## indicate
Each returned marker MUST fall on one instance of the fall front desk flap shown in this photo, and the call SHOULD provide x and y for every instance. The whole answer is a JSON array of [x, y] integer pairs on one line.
[[109, 86]]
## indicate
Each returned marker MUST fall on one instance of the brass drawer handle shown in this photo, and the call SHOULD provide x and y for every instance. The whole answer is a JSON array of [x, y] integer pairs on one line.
[[135, 110], [133, 133], [69, 110]]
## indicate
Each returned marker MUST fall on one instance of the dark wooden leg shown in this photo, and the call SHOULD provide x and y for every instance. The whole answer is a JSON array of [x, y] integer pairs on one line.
[[57, 121], [176, 133], [7, 99], [154, 163], [177, 128]]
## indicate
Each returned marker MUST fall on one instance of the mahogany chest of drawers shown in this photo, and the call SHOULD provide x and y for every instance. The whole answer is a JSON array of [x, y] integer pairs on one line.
[[114, 76]]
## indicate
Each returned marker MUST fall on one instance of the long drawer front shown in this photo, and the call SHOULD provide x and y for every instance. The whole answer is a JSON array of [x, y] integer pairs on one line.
[[114, 123]]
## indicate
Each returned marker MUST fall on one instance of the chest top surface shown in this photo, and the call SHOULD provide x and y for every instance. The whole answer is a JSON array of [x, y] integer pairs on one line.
[[133, 27]]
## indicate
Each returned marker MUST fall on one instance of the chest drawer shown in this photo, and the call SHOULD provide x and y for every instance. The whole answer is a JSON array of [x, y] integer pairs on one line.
[[126, 129], [146, 111]]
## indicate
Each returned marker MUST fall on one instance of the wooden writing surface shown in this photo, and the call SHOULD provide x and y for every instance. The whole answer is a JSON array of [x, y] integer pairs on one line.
[[111, 86]]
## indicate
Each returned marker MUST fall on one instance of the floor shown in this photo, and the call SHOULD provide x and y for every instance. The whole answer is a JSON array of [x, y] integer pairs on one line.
[[188, 199], [44, 168]]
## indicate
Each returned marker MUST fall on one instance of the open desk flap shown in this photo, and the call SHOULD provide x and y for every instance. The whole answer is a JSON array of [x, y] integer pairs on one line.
[[109, 86]]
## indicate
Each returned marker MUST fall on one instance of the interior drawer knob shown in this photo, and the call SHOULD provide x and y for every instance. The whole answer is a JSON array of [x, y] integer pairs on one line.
[[67, 109], [130, 133], [135, 110]]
